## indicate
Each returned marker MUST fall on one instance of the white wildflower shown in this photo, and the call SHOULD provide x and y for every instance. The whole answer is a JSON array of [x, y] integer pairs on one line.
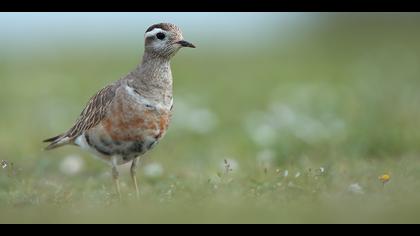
[[283, 120], [264, 135], [202, 120], [355, 188], [229, 164], [265, 158], [199, 120], [153, 170], [3, 164], [71, 165]]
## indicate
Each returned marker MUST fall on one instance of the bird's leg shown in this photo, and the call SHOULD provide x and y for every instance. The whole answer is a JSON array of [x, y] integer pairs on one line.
[[133, 171], [115, 177]]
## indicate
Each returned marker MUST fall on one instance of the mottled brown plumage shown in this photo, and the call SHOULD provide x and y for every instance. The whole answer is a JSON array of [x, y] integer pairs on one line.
[[93, 113], [128, 117]]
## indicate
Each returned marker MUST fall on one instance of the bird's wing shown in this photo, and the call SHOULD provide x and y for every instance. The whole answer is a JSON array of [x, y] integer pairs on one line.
[[93, 113]]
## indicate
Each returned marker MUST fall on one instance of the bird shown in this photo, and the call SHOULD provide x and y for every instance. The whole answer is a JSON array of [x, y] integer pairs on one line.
[[128, 117]]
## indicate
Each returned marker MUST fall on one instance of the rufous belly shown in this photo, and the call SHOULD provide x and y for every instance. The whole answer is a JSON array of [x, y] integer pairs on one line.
[[128, 131]]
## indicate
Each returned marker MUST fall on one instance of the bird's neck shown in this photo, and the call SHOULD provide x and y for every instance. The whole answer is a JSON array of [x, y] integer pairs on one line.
[[153, 76], [154, 68]]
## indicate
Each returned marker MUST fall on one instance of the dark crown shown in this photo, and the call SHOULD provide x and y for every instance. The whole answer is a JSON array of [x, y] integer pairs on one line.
[[163, 26]]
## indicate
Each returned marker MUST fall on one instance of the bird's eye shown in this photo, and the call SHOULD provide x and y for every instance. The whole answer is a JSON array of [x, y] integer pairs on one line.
[[160, 35]]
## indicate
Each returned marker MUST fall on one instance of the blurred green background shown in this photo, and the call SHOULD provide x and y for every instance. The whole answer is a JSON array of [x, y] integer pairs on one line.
[[308, 109]]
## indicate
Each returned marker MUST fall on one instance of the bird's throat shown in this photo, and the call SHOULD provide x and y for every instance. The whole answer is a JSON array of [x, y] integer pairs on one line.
[[153, 76]]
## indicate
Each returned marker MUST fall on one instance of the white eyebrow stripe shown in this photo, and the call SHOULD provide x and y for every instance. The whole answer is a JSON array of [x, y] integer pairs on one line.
[[153, 32]]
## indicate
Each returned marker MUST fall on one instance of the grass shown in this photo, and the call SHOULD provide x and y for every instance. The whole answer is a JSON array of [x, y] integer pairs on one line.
[[344, 102], [234, 197]]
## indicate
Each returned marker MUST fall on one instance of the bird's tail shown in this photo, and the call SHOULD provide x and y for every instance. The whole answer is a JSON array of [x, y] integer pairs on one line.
[[56, 141]]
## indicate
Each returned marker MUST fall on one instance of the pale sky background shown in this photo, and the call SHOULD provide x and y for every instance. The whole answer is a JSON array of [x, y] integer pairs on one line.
[[23, 31]]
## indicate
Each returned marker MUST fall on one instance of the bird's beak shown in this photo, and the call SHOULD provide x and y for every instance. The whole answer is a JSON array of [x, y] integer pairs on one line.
[[184, 43]]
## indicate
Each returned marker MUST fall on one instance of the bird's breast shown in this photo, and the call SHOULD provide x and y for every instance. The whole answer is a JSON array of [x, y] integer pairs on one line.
[[131, 127], [130, 121]]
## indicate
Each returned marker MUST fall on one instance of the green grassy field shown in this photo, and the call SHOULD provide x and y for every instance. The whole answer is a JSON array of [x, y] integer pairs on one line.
[[306, 127]]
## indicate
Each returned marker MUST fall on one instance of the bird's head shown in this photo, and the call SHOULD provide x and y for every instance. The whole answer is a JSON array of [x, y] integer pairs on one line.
[[164, 39]]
